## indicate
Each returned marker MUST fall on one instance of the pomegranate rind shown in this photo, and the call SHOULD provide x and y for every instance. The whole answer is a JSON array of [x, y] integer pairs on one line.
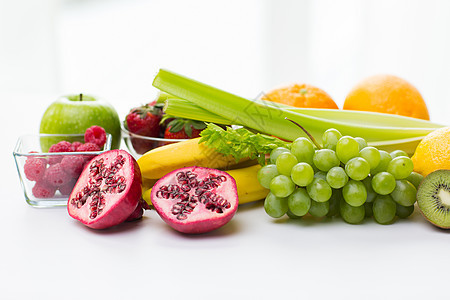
[[200, 220], [136, 214], [118, 207]]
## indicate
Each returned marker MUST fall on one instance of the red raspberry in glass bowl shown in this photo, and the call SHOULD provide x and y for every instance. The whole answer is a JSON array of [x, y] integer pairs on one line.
[[62, 146], [43, 189], [56, 176], [96, 135], [34, 168]]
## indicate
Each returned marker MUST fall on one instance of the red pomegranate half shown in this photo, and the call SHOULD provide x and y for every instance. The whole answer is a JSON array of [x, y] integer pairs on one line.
[[195, 199], [108, 190]]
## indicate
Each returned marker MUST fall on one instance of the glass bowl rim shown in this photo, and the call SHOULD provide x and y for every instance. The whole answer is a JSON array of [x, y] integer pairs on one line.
[[128, 134], [16, 151]]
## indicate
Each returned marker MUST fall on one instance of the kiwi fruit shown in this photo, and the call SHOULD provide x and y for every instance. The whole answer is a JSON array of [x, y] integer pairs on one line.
[[433, 198]]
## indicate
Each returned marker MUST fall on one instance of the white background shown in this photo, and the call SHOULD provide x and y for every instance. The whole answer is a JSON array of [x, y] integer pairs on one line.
[[113, 49]]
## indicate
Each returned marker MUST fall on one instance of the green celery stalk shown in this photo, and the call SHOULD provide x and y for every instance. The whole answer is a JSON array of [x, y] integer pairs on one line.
[[269, 119], [360, 117], [186, 109]]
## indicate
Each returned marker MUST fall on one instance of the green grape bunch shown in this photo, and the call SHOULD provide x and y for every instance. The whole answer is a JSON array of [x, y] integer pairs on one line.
[[343, 177]]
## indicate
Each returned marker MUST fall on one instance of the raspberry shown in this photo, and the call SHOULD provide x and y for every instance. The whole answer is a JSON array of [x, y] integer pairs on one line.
[[34, 168], [73, 165], [88, 147], [55, 159], [55, 175], [62, 146], [43, 190], [75, 145], [95, 135], [44, 159], [66, 189]]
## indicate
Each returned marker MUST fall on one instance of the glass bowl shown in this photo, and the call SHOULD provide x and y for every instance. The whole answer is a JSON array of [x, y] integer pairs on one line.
[[47, 179], [139, 144]]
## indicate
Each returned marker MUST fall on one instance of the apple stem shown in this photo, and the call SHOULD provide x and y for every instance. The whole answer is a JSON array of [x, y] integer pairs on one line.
[[81, 97]]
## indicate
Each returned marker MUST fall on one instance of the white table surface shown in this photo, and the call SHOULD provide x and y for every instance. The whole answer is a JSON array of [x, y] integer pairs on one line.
[[47, 255]]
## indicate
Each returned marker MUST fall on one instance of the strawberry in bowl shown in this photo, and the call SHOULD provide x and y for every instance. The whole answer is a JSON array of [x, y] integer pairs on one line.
[[144, 121], [179, 128]]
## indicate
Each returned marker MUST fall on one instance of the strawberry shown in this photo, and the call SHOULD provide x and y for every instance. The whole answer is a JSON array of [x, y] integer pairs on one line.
[[144, 120], [183, 129]]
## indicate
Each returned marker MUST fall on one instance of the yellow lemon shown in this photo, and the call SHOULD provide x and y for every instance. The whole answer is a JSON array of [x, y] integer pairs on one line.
[[433, 152]]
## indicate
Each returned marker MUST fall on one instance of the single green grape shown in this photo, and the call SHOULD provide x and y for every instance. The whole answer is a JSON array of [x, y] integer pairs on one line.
[[351, 214], [401, 167], [299, 202], [319, 209], [266, 174], [368, 208], [330, 138], [325, 159], [370, 192], [275, 206], [336, 177], [385, 158], [371, 155], [397, 153], [404, 193], [354, 193], [404, 211], [384, 209], [334, 201], [302, 174], [357, 168], [281, 186], [275, 152], [383, 183], [285, 162], [303, 150], [347, 148], [319, 190], [415, 179], [361, 142], [291, 215]]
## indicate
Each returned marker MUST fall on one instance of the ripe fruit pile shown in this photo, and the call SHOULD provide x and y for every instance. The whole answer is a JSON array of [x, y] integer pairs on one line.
[[60, 172], [344, 177]]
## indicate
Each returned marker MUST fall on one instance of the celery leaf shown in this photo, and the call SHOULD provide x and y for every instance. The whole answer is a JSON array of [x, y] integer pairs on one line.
[[240, 143]]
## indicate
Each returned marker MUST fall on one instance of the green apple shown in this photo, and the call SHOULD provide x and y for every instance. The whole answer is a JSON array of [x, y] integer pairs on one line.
[[75, 113]]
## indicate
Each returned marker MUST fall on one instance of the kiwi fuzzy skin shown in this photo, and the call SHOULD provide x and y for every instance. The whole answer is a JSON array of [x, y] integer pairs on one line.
[[421, 202]]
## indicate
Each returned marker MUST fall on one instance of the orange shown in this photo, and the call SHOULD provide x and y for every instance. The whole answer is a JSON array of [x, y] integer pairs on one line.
[[433, 152], [301, 95], [387, 94]]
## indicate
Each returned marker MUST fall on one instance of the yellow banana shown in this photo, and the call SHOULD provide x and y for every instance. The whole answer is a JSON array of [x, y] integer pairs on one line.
[[146, 196], [158, 162], [248, 187], [148, 183]]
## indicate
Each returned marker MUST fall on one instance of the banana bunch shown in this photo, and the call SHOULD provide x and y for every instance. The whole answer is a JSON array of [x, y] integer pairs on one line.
[[158, 162], [162, 160]]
